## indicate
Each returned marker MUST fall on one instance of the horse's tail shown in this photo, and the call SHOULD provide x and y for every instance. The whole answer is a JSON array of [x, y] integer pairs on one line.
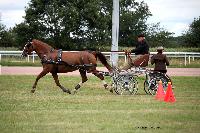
[[103, 60]]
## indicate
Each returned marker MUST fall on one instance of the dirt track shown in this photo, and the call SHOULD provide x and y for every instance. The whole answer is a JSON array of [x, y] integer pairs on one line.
[[37, 70]]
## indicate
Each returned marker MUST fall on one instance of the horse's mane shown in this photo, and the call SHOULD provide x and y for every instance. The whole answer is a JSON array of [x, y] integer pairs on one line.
[[42, 43]]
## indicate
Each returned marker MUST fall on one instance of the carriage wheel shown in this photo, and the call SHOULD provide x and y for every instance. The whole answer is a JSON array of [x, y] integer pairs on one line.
[[126, 86], [146, 86], [152, 85]]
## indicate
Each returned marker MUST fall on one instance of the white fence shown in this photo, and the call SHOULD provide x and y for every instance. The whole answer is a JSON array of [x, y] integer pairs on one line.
[[186, 55]]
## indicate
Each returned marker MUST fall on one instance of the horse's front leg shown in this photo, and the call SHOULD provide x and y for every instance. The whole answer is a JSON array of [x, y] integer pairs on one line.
[[55, 76], [43, 73]]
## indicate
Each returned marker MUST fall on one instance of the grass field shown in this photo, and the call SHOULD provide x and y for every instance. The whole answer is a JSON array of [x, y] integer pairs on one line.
[[94, 109]]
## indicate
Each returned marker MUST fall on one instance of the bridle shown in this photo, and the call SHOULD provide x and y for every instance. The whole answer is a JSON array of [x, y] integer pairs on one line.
[[26, 48]]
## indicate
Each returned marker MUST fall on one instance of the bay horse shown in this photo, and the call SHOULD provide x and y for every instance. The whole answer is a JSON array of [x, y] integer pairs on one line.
[[56, 61]]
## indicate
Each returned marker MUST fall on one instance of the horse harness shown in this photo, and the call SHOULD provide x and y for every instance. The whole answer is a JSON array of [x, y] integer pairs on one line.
[[59, 61], [47, 60]]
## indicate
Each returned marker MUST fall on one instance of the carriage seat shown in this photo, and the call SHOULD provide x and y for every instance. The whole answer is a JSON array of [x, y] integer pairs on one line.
[[142, 61]]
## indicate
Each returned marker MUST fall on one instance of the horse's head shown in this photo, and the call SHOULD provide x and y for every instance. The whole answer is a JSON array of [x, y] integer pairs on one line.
[[28, 49]]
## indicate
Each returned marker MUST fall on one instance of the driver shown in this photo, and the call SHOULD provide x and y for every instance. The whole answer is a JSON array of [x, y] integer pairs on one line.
[[142, 54]]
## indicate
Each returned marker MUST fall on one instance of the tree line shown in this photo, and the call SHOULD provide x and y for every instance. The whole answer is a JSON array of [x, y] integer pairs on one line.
[[80, 24]]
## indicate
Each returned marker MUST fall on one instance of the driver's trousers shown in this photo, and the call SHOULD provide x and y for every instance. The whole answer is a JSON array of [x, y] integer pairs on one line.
[[140, 61]]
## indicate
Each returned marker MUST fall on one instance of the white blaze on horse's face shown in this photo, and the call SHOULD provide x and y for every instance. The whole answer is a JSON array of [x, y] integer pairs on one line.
[[27, 49]]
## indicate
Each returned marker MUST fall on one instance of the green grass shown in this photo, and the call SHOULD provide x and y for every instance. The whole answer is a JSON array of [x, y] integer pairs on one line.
[[20, 63], [94, 109], [9, 49]]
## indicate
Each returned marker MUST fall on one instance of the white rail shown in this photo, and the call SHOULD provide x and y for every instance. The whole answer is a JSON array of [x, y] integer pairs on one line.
[[186, 55]]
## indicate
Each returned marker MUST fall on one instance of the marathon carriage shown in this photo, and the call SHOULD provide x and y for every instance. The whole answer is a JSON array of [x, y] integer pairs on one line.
[[125, 82]]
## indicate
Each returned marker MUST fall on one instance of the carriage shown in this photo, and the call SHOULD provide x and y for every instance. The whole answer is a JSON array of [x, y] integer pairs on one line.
[[125, 82]]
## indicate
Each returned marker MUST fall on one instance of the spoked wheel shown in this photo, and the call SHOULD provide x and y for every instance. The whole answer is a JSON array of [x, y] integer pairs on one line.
[[146, 87], [151, 83], [153, 86], [125, 85]]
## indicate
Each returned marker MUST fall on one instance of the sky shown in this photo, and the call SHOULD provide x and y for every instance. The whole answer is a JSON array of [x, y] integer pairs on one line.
[[173, 15]]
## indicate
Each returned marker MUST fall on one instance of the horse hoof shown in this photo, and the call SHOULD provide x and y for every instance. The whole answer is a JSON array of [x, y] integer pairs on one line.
[[74, 92], [68, 91], [32, 91], [105, 86], [77, 86]]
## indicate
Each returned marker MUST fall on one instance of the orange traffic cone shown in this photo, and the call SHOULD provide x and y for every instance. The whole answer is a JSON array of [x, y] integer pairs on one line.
[[160, 94], [169, 97]]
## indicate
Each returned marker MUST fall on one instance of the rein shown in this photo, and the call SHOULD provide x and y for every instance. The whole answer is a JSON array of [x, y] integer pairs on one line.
[[128, 56]]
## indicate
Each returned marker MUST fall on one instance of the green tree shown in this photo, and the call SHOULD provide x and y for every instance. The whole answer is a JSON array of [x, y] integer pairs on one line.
[[192, 36], [74, 24], [133, 17], [158, 36], [6, 38], [68, 23], [45, 20], [23, 33]]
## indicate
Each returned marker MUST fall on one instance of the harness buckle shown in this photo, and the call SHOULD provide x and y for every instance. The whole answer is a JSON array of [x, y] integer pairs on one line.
[[59, 58]]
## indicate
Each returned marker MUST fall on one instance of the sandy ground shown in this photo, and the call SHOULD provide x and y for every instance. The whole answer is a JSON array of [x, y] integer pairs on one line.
[[37, 70]]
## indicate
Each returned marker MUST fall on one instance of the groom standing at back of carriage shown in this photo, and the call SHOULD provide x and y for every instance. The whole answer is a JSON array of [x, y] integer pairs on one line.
[[142, 54], [160, 60]]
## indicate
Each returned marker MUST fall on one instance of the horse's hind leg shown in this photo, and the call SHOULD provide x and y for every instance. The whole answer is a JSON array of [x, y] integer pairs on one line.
[[84, 79], [100, 76], [55, 76]]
